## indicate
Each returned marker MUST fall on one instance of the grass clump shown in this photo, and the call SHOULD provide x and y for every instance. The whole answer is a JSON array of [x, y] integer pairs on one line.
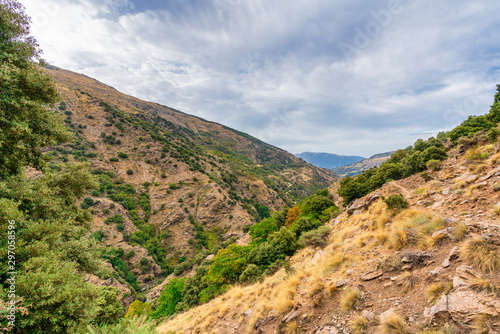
[[396, 202], [436, 290], [481, 253], [394, 324], [359, 324], [350, 299]]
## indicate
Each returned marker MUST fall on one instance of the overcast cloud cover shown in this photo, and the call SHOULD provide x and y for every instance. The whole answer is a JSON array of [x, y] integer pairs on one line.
[[353, 77]]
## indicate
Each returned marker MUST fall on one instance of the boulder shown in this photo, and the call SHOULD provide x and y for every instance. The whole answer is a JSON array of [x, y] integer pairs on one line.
[[362, 203], [327, 330], [371, 275]]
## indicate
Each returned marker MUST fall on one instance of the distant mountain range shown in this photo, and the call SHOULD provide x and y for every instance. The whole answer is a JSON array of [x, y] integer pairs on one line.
[[328, 160], [360, 166]]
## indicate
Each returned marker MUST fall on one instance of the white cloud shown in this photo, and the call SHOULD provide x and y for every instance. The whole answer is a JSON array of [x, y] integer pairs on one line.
[[276, 69]]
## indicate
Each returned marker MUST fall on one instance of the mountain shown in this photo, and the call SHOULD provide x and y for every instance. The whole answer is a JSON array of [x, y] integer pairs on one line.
[[362, 165], [328, 160], [430, 265], [173, 188]]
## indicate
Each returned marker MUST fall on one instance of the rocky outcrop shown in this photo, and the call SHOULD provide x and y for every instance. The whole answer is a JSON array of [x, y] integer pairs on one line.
[[362, 203], [463, 304]]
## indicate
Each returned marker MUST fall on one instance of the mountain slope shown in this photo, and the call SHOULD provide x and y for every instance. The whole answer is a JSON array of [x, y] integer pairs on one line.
[[362, 165], [328, 160], [431, 266], [173, 187]]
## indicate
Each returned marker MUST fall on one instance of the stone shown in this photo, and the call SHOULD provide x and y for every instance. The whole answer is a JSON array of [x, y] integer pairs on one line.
[[349, 271], [446, 263], [290, 316], [248, 313], [362, 203], [453, 253], [368, 315], [327, 330], [340, 283], [445, 191], [436, 271], [383, 316], [371, 275], [406, 267], [319, 254]]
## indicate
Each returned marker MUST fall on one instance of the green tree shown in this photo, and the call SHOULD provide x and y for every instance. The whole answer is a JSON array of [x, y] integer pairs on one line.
[[260, 231], [26, 124], [169, 298]]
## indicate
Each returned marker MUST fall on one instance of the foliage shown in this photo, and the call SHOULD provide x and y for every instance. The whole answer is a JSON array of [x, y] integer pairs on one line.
[[316, 238], [138, 308], [305, 224], [401, 164], [26, 124], [315, 205], [260, 231], [292, 215], [109, 308], [136, 325], [170, 296], [250, 274], [396, 202]]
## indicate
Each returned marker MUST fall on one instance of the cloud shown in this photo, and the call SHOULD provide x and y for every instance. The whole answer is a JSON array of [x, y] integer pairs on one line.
[[344, 77]]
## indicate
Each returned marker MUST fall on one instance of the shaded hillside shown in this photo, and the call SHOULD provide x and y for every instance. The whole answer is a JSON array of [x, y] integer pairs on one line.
[[360, 166], [173, 187], [328, 160]]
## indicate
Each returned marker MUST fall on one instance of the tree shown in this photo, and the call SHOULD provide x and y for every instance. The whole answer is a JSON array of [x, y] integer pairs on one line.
[[26, 124], [169, 298]]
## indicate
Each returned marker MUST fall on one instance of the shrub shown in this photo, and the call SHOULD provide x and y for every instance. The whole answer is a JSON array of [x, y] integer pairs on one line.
[[305, 224], [122, 155], [261, 231], [109, 308], [169, 298], [98, 235], [250, 274], [316, 238], [481, 253], [130, 172], [359, 324], [115, 219], [433, 164], [174, 186], [87, 203], [396, 202], [163, 176], [394, 324], [113, 159], [350, 299], [138, 308]]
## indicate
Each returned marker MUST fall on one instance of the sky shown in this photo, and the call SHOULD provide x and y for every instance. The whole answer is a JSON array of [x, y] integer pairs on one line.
[[338, 76]]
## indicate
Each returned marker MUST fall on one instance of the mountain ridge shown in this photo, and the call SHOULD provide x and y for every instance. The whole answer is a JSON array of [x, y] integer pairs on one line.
[[328, 160]]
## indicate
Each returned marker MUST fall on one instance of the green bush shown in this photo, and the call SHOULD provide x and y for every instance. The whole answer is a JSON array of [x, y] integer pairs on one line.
[[316, 238], [433, 164], [110, 310], [251, 274], [122, 155], [170, 296], [396, 202], [260, 231], [163, 176], [304, 224], [113, 159], [87, 203], [130, 172]]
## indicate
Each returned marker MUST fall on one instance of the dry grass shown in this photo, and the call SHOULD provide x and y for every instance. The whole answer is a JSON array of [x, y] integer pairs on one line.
[[481, 254], [434, 291], [480, 324], [407, 281], [283, 300], [316, 286], [394, 324], [459, 231], [350, 299], [496, 210], [482, 285], [292, 327], [416, 229], [359, 324]]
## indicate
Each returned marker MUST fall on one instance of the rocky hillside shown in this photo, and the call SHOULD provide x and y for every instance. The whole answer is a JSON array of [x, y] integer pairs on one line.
[[172, 187], [360, 166], [427, 264]]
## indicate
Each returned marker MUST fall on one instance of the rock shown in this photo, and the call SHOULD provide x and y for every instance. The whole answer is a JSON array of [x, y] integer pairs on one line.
[[340, 283], [371, 275], [349, 271], [262, 321], [471, 178], [405, 259], [247, 313], [453, 253], [362, 203], [327, 330], [406, 267], [446, 263], [386, 314], [290, 316], [463, 304], [209, 257], [445, 191], [319, 254], [490, 174], [368, 315], [436, 271], [440, 234]]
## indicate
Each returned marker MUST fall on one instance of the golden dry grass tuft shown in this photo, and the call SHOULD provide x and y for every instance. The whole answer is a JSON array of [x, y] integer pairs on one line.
[[407, 281], [350, 299], [359, 324], [394, 324], [292, 327], [482, 285], [283, 301], [480, 324], [496, 210], [434, 291], [481, 253]]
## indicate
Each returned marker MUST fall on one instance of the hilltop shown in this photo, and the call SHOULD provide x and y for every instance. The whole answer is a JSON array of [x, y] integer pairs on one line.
[[362, 165], [328, 160]]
